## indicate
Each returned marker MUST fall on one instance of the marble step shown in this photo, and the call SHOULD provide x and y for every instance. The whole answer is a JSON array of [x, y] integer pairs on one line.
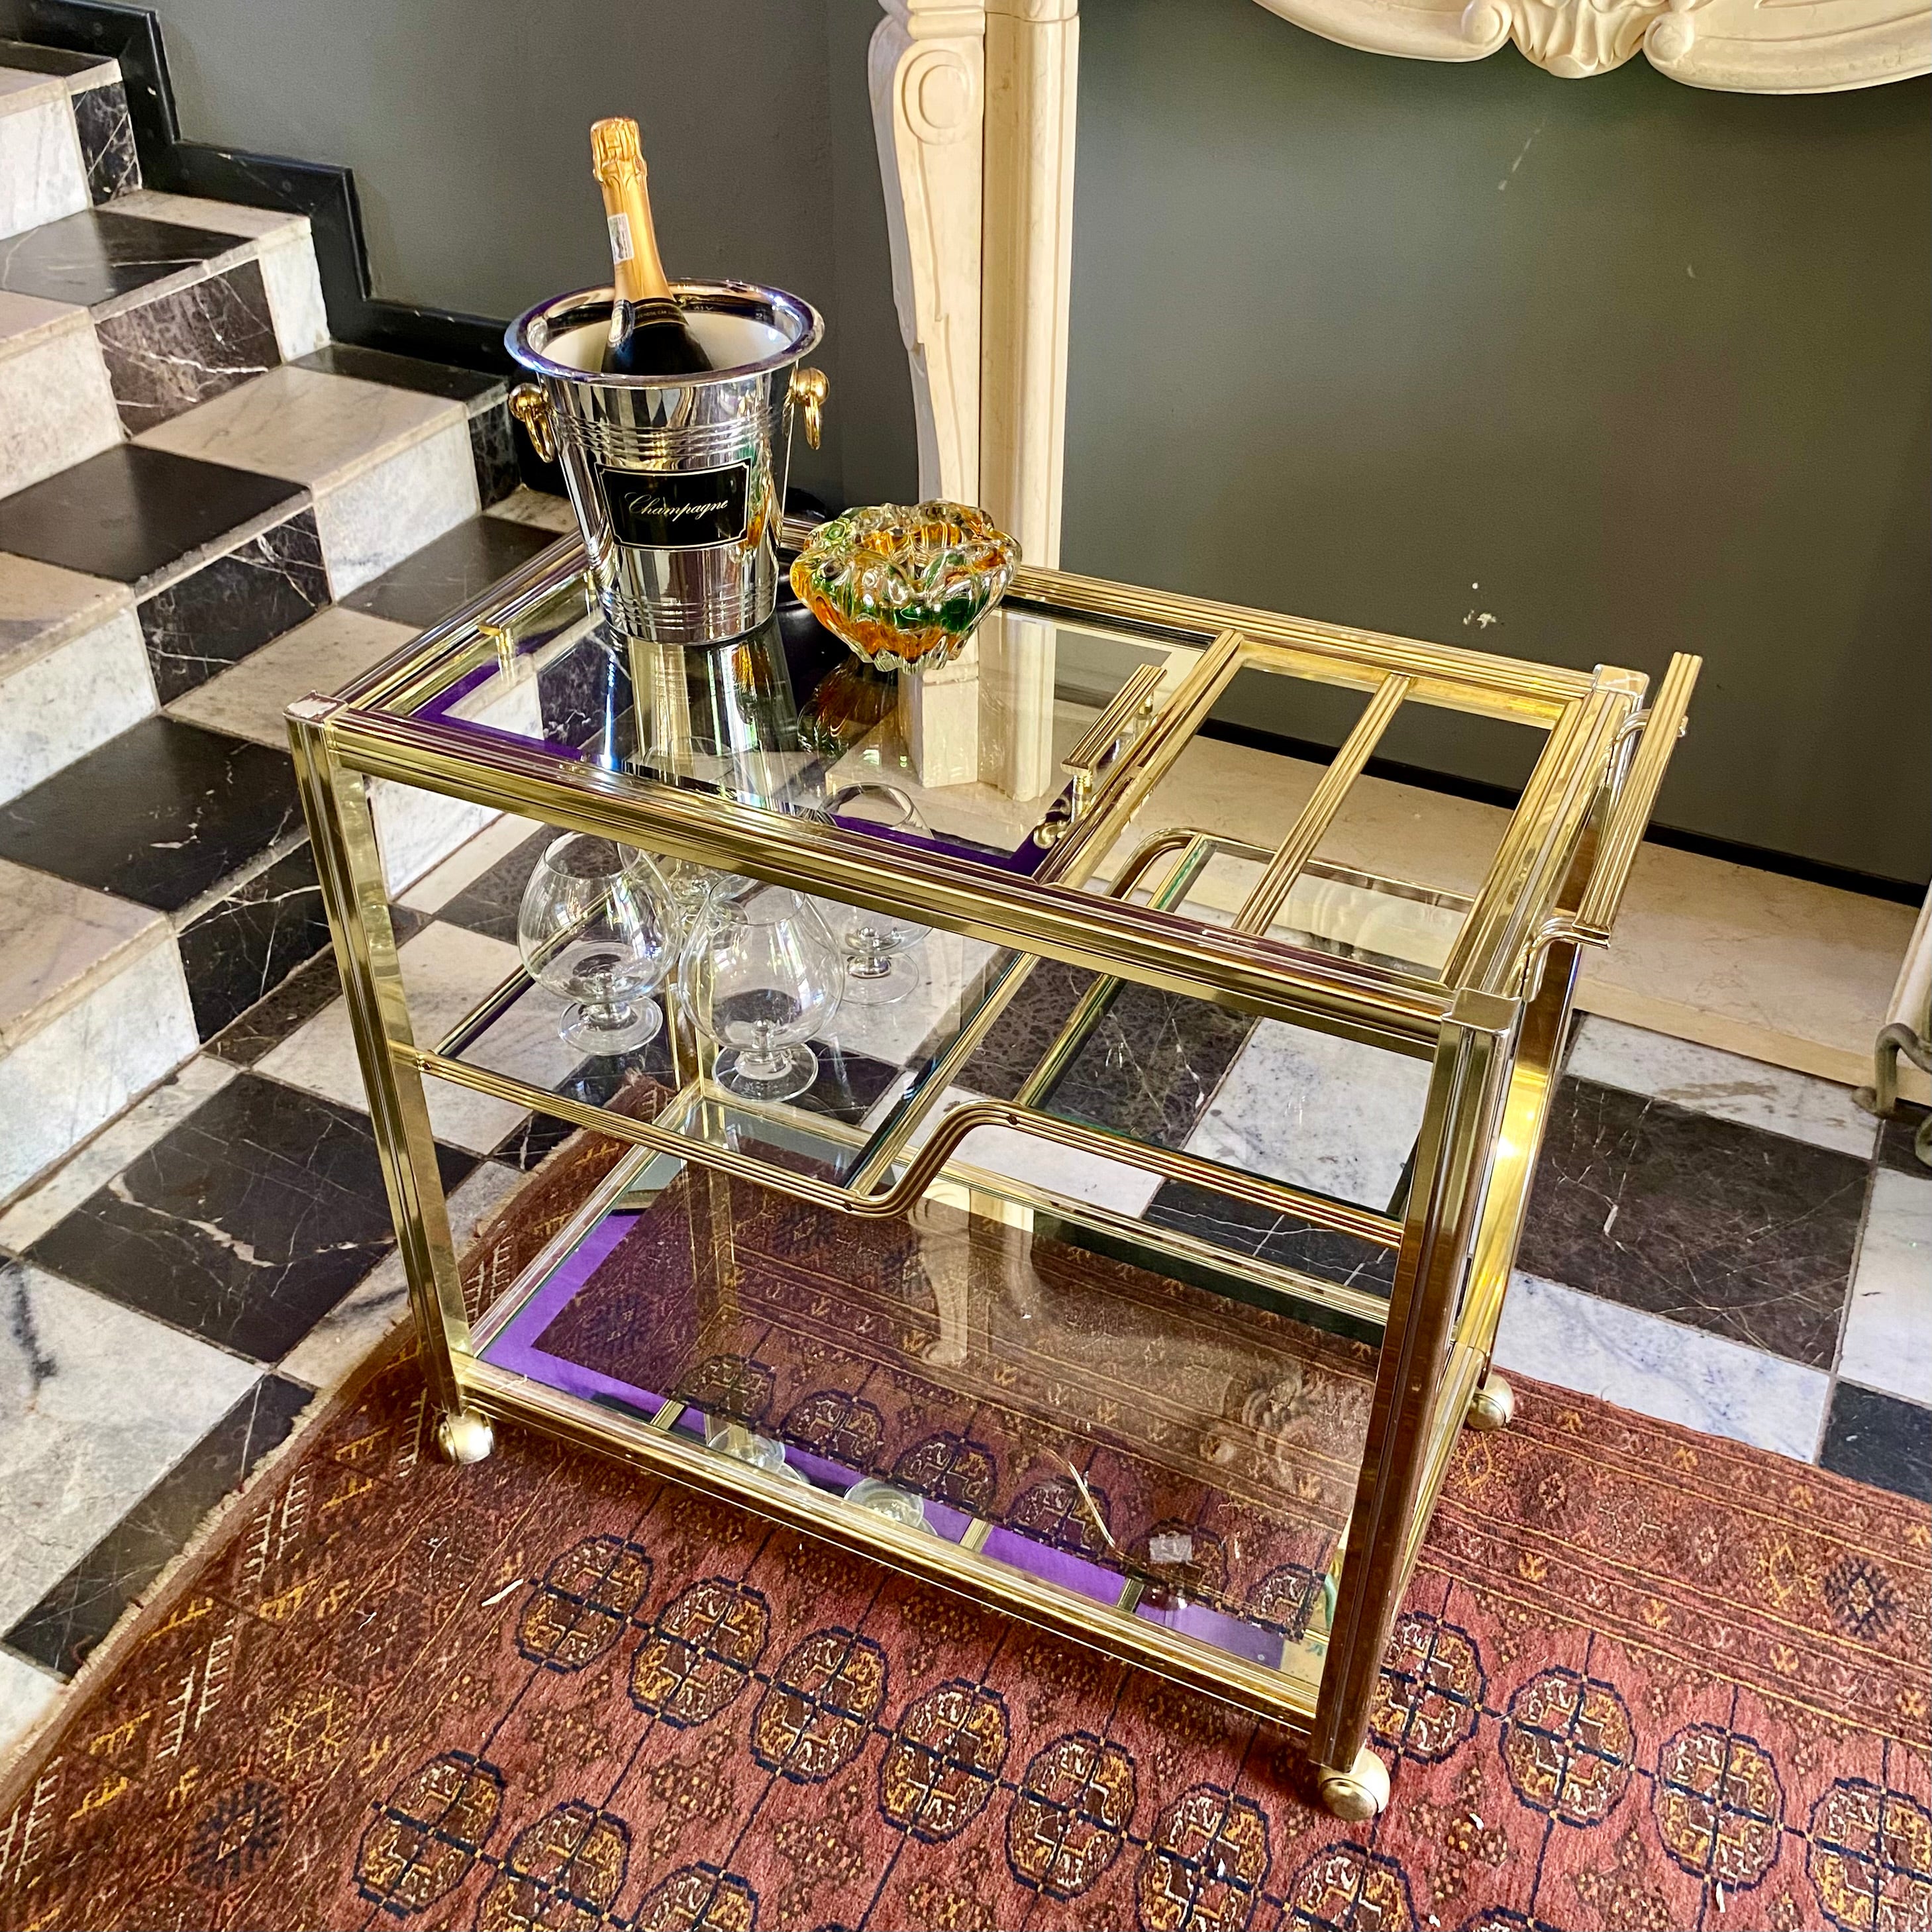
[[166, 872], [209, 561], [186, 298], [94, 1009], [205, 563], [66, 138]]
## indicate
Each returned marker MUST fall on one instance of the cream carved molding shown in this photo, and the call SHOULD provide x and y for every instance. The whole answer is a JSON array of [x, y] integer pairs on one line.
[[1749, 46], [972, 107]]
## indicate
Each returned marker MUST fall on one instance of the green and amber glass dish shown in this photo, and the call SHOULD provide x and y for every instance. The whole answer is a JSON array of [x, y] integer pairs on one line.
[[904, 587]]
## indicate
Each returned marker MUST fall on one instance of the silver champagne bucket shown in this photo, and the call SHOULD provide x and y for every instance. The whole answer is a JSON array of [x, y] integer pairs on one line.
[[679, 486]]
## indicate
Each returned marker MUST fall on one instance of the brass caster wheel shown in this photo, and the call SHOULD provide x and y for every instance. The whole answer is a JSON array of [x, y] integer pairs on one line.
[[1493, 1405], [465, 1436], [1359, 1793]]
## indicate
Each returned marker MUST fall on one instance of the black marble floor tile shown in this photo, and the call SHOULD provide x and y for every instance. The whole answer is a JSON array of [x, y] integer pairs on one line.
[[1894, 1141], [106, 131], [212, 618], [188, 346], [489, 903], [133, 513], [493, 448], [245, 1224], [1879, 1439], [595, 1084], [157, 815], [270, 1021], [1286, 1240], [245, 946], [400, 372], [93, 256], [1149, 1068], [1032, 1021], [1745, 1233], [579, 693], [306, 990], [25, 57], [849, 1084], [461, 564], [81, 1609]]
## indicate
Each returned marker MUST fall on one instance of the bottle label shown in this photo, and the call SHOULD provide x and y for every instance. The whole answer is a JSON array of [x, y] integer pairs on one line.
[[677, 509], [619, 225]]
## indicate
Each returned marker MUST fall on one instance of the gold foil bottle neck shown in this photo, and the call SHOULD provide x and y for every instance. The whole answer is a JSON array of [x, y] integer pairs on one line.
[[615, 149]]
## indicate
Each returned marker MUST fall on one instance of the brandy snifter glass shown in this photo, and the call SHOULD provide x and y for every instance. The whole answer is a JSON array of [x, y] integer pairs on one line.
[[760, 977], [877, 948], [595, 929]]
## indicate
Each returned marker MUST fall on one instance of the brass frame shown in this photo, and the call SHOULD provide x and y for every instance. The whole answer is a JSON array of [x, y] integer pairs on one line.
[[1491, 1023]]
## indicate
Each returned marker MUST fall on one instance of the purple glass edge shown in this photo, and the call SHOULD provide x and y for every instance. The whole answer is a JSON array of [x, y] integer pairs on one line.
[[1026, 861], [516, 1343], [1058, 1566], [1235, 1636]]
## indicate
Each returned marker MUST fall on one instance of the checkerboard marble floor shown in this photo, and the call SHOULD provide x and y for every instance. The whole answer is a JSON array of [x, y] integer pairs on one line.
[[1710, 1241], [207, 508]]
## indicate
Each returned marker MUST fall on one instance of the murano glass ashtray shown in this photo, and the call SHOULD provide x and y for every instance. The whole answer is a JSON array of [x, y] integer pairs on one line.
[[903, 585]]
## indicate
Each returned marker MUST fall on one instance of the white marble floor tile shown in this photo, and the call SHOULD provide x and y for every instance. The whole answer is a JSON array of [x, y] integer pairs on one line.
[[1725, 1085], [57, 941], [894, 1033], [25, 1691], [344, 1336], [289, 273], [469, 863], [92, 1166], [1660, 1368], [63, 703], [322, 655], [42, 176], [415, 829], [1325, 1114], [446, 970], [56, 409], [388, 510], [537, 507], [1887, 1337], [1781, 969], [1069, 1171], [96, 1403], [77, 1072], [306, 425]]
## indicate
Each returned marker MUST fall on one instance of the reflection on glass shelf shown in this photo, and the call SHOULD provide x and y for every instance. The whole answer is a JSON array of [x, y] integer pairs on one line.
[[1140, 1442], [786, 719]]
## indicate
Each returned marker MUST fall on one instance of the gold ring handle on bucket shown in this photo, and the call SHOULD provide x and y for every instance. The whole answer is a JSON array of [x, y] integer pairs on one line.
[[808, 386], [530, 407]]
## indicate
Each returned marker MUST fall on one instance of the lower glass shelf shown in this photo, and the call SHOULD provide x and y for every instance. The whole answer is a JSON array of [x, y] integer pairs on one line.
[[1171, 1452]]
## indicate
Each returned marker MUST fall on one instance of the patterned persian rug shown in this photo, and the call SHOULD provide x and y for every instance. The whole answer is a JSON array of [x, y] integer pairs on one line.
[[1644, 1679]]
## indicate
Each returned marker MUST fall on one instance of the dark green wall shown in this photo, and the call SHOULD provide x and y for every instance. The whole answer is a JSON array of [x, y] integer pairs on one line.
[[1353, 335], [467, 124]]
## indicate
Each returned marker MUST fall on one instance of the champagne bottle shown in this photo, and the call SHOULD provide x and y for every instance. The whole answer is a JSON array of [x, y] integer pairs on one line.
[[649, 335]]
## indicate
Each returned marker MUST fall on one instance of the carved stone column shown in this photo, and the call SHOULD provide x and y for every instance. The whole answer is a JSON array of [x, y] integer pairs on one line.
[[927, 69], [1033, 70], [973, 107]]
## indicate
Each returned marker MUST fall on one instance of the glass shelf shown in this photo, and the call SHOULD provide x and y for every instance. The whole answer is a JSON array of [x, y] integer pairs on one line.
[[1164, 1449]]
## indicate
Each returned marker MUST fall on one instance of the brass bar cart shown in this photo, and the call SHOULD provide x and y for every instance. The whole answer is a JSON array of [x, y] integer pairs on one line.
[[1089, 837]]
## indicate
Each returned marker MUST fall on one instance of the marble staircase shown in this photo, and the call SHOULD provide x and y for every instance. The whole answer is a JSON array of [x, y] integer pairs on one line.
[[207, 508]]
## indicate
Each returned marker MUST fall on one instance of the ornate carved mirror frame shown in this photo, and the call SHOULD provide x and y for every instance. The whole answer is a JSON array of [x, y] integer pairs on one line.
[[973, 103]]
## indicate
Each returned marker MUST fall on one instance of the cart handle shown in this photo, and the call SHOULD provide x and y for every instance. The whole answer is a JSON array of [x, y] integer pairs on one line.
[[1663, 724]]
